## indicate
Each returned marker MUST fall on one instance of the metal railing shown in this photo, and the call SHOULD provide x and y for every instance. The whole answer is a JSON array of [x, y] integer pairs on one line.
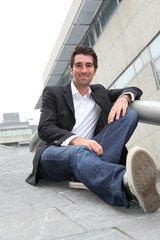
[[148, 111]]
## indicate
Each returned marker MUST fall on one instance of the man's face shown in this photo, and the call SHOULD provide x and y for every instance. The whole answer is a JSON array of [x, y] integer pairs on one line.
[[83, 70]]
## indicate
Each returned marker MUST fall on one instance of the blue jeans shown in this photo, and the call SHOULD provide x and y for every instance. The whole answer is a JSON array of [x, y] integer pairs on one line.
[[102, 175]]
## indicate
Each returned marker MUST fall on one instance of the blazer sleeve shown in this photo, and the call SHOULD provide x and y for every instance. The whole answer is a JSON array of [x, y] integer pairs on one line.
[[115, 93], [48, 128]]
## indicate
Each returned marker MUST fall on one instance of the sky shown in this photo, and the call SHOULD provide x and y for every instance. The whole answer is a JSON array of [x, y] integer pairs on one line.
[[28, 32]]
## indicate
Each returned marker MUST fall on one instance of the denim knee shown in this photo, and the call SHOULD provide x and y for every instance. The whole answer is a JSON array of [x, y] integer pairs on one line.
[[79, 152], [132, 115], [78, 149]]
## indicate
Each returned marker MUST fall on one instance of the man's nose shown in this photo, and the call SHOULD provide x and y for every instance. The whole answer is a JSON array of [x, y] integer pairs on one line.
[[84, 68]]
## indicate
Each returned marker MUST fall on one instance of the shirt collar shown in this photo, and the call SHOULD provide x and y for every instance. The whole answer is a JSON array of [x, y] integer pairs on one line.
[[75, 90]]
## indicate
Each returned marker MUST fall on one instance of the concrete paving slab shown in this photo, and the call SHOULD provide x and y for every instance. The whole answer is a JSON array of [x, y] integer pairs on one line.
[[92, 213], [11, 203], [52, 211], [147, 228], [43, 224]]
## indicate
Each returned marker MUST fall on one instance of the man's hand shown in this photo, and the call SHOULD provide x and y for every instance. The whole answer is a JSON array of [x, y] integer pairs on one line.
[[120, 105], [91, 144]]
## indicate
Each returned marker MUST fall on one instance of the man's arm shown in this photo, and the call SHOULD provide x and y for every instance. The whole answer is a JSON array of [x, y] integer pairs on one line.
[[121, 101], [120, 105]]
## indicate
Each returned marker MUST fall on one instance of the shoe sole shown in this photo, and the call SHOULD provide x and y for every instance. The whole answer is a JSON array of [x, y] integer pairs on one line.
[[142, 177], [77, 185]]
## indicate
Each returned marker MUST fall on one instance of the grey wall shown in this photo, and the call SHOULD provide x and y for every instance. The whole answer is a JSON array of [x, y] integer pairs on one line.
[[133, 26]]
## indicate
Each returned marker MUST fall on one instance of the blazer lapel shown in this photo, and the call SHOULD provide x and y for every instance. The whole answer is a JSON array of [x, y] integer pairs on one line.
[[99, 100], [68, 97]]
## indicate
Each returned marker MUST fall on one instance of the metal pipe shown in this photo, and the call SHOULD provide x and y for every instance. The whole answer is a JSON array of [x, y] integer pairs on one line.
[[148, 111]]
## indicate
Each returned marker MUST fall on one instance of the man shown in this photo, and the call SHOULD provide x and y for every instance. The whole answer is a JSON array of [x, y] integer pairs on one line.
[[84, 129]]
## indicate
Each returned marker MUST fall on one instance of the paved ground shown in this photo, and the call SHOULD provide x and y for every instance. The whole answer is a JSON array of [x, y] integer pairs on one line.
[[54, 211]]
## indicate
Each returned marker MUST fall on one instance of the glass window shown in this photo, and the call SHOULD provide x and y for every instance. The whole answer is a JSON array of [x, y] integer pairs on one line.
[[145, 55], [149, 53], [119, 82], [106, 12], [66, 77], [100, 22], [138, 64], [92, 36], [155, 47], [16, 132], [86, 41], [98, 27], [129, 73], [9, 133], [157, 69], [124, 79]]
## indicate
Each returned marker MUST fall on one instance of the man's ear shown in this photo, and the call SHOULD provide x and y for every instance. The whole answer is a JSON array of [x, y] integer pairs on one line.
[[70, 69], [95, 70]]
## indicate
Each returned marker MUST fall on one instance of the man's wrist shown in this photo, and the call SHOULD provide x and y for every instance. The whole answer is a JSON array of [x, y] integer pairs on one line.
[[67, 141], [73, 140], [126, 96]]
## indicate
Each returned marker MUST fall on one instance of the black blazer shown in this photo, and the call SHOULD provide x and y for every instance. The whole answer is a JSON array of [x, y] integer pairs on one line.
[[57, 116]]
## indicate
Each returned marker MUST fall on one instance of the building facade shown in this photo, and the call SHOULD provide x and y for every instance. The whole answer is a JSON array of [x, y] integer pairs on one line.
[[14, 133], [126, 37]]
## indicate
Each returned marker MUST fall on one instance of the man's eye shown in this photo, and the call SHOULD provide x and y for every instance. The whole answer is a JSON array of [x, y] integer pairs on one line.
[[89, 65]]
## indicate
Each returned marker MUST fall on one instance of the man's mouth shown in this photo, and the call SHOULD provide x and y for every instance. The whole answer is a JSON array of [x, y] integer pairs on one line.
[[83, 76]]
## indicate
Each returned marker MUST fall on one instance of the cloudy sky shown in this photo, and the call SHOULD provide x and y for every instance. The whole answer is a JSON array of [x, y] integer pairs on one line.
[[28, 32]]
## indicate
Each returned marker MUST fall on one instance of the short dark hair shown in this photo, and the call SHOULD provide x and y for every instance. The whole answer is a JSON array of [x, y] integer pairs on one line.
[[85, 50]]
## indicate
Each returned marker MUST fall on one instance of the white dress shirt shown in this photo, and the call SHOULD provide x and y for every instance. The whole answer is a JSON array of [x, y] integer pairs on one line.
[[87, 113]]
